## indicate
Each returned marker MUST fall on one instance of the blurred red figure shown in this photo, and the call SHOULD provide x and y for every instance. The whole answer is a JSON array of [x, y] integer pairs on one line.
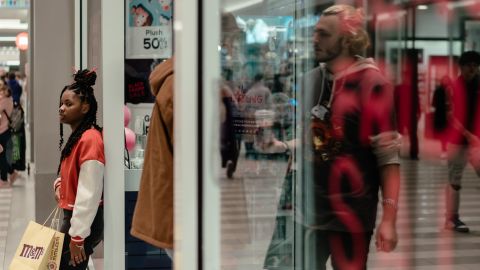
[[350, 147], [464, 130], [407, 101], [441, 107]]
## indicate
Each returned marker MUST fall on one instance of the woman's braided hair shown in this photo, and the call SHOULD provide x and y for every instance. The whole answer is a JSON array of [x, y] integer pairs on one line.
[[82, 87]]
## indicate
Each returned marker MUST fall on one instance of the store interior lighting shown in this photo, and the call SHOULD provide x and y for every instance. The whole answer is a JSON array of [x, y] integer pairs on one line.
[[234, 5], [422, 7], [13, 24], [459, 4], [7, 39]]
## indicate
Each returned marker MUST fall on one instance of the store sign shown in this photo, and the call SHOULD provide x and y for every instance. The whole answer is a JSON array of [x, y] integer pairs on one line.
[[149, 29]]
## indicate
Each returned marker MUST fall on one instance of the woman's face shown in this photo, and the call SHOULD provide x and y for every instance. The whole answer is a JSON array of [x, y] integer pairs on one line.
[[72, 110]]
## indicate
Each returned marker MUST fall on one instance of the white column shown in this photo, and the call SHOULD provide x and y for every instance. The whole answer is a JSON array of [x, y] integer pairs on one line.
[[211, 140], [112, 18], [186, 135]]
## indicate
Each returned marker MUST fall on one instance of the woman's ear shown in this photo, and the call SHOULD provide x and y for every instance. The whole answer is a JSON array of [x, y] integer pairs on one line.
[[85, 107]]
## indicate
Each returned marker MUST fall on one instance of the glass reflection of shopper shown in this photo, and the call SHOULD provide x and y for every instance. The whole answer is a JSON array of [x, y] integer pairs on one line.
[[465, 112], [6, 107], [351, 150], [230, 141], [79, 187], [440, 104]]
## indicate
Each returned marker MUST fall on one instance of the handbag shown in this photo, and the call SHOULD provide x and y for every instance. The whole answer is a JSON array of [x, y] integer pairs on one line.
[[40, 247]]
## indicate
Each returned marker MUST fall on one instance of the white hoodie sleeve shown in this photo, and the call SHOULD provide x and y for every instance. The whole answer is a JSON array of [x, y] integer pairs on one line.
[[89, 194]]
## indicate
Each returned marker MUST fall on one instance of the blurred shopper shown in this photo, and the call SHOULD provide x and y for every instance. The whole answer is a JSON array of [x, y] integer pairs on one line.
[[15, 87], [229, 144], [156, 185], [441, 104], [257, 98], [230, 141], [351, 148], [465, 113], [407, 101], [6, 107], [79, 187]]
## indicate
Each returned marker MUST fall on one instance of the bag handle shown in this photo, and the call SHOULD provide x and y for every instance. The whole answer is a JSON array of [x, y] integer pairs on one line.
[[54, 224]]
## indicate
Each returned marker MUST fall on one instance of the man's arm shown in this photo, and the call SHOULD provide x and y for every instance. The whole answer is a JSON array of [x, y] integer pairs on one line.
[[386, 235]]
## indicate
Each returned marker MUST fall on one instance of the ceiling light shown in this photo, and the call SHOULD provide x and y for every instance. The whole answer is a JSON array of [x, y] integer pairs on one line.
[[460, 4], [14, 24], [7, 39], [422, 7], [238, 5]]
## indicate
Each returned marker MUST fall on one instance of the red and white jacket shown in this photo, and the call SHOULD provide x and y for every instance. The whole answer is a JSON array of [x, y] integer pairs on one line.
[[81, 183]]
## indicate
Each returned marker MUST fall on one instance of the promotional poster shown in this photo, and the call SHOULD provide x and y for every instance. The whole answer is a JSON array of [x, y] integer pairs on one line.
[[148, 29]]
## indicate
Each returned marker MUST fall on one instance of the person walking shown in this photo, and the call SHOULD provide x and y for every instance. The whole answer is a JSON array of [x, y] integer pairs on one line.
[[464, 113], [6, 108], [351, 148], [156, 184], [15, 87]]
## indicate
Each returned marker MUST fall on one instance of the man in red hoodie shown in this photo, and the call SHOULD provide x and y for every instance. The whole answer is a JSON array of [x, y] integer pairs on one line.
[[350, 150]]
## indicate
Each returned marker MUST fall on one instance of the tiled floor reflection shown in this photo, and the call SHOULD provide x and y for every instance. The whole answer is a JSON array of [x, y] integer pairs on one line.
[[5, 201], [249, 207]]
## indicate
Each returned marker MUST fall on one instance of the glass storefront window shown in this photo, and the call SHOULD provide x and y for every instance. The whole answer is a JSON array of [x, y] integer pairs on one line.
[[305, 172]]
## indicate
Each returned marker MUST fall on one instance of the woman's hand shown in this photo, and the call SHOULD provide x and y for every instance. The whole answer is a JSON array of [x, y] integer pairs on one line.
[[57, 194], [77, 254]]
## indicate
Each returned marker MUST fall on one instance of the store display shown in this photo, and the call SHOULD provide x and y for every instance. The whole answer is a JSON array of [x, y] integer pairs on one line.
[[127, 114], [129, 139], [137, 89]]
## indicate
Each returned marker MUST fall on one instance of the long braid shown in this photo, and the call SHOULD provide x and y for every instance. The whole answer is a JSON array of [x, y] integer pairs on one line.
[[82, 87]]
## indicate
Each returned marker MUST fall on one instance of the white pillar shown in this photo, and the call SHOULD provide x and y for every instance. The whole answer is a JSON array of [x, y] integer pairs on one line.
[[112, 25], [186, 135]]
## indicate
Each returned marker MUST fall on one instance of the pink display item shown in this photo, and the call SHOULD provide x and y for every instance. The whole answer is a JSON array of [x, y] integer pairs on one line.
[[127, 115], [129, 139]]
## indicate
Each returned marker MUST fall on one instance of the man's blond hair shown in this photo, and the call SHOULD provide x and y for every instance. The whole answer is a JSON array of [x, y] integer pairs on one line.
[[352, 27]]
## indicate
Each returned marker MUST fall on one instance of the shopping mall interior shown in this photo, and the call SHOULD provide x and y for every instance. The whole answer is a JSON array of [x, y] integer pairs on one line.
[[246, 176]]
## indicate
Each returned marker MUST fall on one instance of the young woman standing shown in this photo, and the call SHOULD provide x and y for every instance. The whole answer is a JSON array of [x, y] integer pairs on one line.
[[79, 187]]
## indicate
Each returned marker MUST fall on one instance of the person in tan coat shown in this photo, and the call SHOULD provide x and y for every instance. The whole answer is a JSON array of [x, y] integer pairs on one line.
[[153, 216]]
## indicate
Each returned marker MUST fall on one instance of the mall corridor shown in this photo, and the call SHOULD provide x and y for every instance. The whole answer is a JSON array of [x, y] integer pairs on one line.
[[248, 213], [248, 204], [241, 134]]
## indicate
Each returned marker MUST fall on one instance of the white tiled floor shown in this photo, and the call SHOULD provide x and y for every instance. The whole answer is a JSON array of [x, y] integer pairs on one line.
[[21, 211], [17, 208]]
